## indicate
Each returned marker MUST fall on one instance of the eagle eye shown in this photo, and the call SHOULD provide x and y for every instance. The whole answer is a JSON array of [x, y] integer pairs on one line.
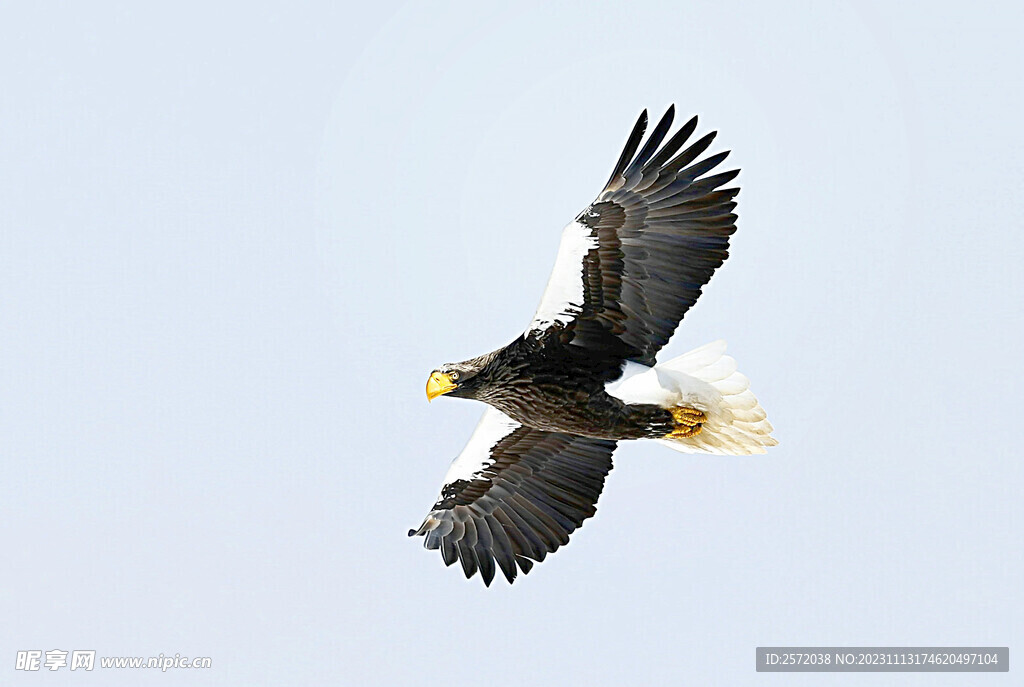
[[453, 375]]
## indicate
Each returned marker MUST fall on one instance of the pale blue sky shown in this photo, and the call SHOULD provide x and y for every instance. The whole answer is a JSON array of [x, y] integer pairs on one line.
[[234, 241]]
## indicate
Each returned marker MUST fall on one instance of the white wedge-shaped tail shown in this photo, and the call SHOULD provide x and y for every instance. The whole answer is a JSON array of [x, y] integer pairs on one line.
[[705, 379]]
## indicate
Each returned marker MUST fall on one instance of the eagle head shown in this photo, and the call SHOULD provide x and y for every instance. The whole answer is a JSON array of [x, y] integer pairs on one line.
[[459, 379]]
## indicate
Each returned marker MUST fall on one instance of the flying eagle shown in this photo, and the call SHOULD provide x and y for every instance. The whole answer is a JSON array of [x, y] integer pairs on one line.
[[583, 375]]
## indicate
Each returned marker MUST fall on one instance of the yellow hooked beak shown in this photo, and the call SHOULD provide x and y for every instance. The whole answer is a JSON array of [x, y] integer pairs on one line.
[[439, 384]]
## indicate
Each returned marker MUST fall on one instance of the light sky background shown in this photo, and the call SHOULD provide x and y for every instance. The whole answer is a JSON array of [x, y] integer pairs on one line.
[[235, 239]]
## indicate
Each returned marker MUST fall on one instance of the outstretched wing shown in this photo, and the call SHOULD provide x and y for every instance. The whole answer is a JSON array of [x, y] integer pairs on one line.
[[632, 264], [514, 495]]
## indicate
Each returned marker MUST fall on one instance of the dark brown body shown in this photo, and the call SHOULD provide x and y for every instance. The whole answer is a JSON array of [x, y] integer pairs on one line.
[[561, 388]]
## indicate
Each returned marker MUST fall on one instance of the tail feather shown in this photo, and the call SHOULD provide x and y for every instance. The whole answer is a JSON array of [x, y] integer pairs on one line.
[[707, 379]]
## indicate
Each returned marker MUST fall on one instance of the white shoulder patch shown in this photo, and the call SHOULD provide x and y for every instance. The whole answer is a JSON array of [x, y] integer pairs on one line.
[[563, 297], [492, 428]]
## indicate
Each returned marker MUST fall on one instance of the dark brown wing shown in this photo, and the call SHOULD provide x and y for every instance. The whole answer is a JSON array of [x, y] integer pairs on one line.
[[514, 495], [633, 263]]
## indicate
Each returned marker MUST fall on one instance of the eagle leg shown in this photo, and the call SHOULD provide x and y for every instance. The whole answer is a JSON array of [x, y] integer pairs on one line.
[[689, 422]]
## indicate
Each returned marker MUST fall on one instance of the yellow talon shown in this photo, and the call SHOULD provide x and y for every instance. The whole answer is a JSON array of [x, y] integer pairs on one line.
[[685, 433], [689, 422], [688, 416]]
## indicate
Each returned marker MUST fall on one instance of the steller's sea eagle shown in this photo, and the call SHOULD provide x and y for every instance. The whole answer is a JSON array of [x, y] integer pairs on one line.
[[583, 375]]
